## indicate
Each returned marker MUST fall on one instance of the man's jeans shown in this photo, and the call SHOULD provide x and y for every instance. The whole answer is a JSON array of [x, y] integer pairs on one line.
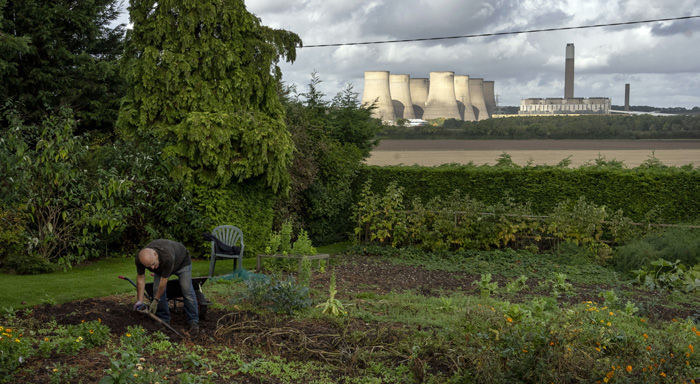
[[185, 276]]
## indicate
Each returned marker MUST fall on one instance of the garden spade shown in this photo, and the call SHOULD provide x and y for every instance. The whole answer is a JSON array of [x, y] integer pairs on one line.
[[144, 310]]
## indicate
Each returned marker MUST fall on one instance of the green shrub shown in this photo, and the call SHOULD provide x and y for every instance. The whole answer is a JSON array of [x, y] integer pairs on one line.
[[670, 244]]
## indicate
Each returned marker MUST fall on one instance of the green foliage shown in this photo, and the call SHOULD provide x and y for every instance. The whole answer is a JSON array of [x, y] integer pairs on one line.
[[248, 206], [637, 192], [517, 285], [331, 140], [285, 235], [14, 350], [670, 244], [281, 296], [485, 285], [557, 127], [305, 273], [59, 54], [332, 306], [203, 80], [662, 274], [558, 284], [68, 208], [460, 222], [302, 246]]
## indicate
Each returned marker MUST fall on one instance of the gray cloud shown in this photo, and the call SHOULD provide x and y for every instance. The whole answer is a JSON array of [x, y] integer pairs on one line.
[[659, 60]]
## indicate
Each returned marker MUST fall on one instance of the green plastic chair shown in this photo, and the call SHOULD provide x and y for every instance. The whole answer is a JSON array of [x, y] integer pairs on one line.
[[229, 235]]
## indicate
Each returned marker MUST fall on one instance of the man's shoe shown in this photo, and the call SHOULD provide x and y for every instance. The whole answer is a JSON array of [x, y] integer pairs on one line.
[[193, 326]]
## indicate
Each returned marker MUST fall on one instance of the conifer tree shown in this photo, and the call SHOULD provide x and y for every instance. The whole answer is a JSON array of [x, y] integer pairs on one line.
[[62, 53], [203, 81]]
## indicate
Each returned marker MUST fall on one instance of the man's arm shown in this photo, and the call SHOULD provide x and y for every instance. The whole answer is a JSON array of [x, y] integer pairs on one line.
[[161, 288], [140, 287]]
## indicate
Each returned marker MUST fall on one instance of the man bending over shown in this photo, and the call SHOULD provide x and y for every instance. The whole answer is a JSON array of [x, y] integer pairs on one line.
[[165, 258]]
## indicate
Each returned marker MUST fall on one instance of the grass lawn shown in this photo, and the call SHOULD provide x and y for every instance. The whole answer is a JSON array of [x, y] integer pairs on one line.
[[96, 279]]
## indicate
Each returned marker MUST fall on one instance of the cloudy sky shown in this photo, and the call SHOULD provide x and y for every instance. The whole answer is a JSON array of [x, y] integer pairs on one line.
[[660, 61]]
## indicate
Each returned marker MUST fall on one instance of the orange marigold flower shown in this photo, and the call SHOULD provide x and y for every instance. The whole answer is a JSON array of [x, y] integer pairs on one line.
[[525, 350], [597, 349], [648, 348], [645, 336], [629, 368], [509, 320], [662, 374], [91, 331]]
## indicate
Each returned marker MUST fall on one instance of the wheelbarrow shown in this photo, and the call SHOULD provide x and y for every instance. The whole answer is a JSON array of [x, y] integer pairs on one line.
[[174, 293]]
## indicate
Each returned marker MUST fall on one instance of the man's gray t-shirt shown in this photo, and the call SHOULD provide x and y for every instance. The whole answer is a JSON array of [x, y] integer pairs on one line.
[[171, 257]]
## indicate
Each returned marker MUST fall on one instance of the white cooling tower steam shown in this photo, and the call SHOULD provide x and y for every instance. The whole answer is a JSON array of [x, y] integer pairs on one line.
[[490, 97], [476, 93], [441, 97], [377, 92], [401, 96], [419, 95], [466, 111]]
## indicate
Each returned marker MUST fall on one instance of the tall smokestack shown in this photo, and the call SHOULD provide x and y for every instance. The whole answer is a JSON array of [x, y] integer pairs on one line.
[[401, 96], [419, 95], [627, 97], [476, 94], [490, 97], [569, 72], [466, 111], [441, 97], [377, 88]]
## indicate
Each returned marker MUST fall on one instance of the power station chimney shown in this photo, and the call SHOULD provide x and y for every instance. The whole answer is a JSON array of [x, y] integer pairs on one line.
[[464, 103], [490, 97], [476, 94], [419, 95], [569, 72], [627, 97], [441, 97], [377, 89], [401, 96]]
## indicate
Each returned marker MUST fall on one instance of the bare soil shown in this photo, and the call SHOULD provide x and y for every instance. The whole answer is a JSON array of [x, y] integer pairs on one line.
[[250, 332], [540, 152]]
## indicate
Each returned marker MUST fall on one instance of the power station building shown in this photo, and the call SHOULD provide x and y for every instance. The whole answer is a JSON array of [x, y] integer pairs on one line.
[[569, 104], [443, 95]]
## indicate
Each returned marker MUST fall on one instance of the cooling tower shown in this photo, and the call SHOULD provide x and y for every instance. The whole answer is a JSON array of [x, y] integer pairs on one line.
[[441, 97], [401, 96], [377, 88], [466, 111], [489, 98], [569, 72], [419, 95], [476, 94]]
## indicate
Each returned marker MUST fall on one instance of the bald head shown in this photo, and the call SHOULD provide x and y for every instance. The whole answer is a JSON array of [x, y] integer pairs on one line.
[[148, 258]]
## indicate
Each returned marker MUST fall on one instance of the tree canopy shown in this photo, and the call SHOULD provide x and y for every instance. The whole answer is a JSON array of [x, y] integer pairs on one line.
[[61, 53], [203, 79]]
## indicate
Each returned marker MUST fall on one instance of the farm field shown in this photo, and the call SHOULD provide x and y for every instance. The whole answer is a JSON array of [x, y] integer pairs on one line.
[[540, 152], [408, 321]]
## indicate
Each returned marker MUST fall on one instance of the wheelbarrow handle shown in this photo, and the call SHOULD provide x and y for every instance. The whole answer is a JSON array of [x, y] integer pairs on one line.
[[134, 284]]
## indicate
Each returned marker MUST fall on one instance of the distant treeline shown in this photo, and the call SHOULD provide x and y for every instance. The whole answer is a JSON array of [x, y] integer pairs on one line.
[[556, 127]]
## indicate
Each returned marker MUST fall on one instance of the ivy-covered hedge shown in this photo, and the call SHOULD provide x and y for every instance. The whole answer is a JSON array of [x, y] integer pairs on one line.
[[665, 195]]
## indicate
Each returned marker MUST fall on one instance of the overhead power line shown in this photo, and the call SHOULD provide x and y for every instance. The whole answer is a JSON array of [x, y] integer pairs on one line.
[[501, 33]]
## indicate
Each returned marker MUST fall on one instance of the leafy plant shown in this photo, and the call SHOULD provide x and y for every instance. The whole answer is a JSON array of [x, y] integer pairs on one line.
[[485, 285], [305, 273], [332, 306], [61, 373], [302, 246], [662, 274], [558, 284], [517, 285], [287, 296]]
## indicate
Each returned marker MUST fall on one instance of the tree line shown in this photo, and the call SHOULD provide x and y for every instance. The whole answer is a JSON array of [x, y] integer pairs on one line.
[[110, 138]]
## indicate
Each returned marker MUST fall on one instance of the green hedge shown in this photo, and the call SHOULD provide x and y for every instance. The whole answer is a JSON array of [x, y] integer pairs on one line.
[[248, 206], [666, 195]]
